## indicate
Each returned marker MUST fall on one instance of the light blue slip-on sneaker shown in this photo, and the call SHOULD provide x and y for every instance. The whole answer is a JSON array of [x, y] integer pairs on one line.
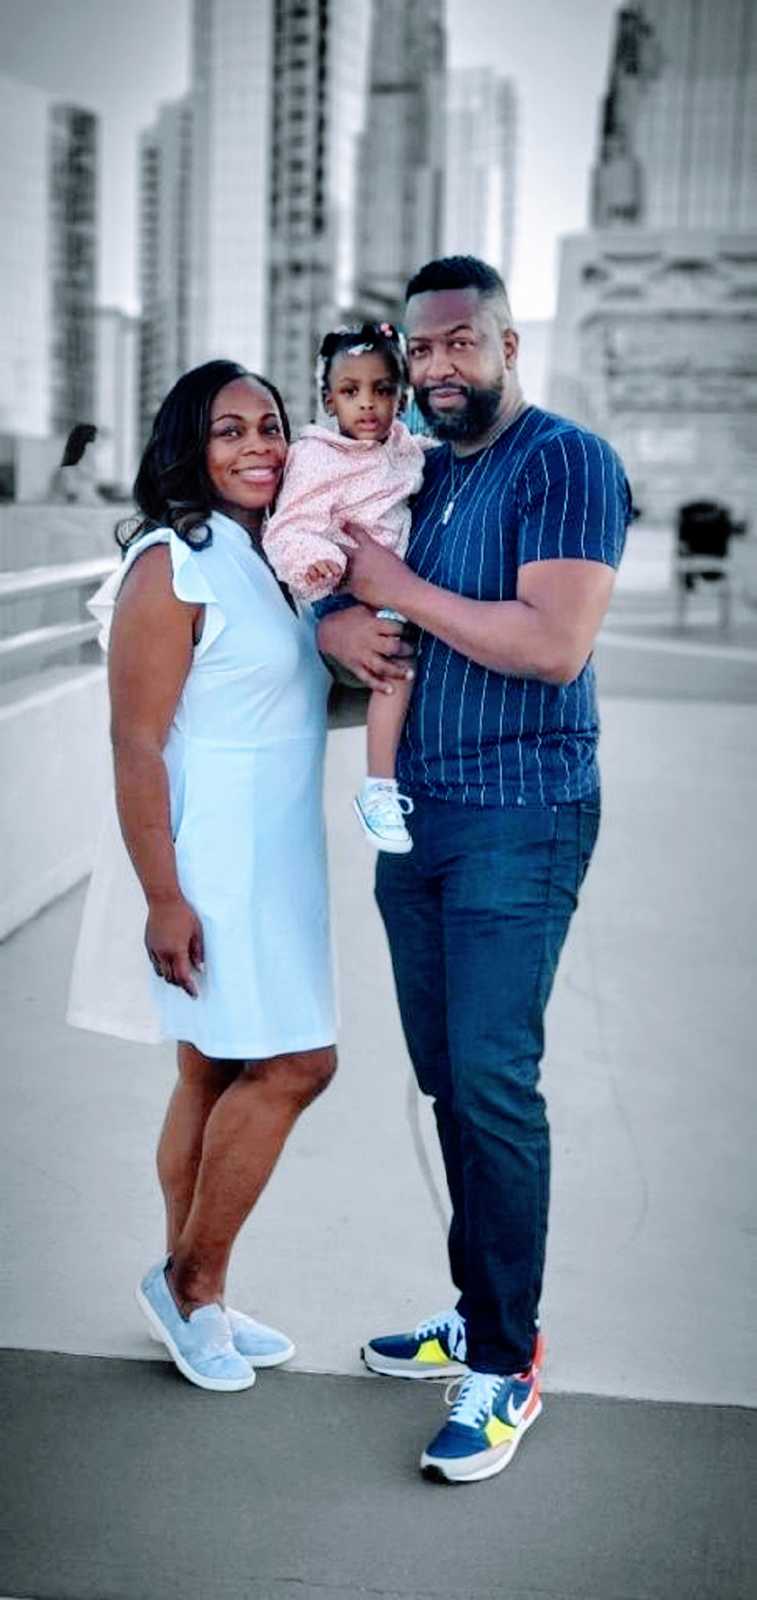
[[262, 1346], [200, 1345]]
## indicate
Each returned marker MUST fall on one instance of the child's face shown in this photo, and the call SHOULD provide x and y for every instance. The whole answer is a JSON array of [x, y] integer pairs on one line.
[[362, 395]]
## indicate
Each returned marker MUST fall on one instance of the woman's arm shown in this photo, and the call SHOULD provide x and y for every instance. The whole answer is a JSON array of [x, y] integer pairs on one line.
[[150, 655]]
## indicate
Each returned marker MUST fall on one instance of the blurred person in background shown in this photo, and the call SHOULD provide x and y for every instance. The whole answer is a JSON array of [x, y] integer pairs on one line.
[[73, 482]]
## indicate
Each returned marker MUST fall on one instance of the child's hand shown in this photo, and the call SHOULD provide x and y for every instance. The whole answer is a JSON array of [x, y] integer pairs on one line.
[[324, 572]]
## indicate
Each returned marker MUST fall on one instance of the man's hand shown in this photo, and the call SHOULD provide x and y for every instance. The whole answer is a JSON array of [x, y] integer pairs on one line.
[[173, 939], [374, 574], [369, 646]]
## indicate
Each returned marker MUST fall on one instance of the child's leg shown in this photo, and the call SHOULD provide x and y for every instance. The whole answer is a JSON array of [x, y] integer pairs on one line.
[[386, 719]]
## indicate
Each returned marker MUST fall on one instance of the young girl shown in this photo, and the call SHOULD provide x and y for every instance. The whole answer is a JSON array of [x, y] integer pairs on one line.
[[366, 471]]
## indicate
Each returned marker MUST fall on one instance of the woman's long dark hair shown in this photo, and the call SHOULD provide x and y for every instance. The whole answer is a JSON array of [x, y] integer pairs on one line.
[[172, 488], [78, 439]]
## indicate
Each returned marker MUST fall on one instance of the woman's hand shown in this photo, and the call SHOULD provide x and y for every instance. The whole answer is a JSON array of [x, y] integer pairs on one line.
[[173, 939], [374, 575], [370, 646]]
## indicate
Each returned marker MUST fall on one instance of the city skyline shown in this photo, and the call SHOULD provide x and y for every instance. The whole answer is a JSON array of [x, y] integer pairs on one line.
[[84, 53], [655, 339]]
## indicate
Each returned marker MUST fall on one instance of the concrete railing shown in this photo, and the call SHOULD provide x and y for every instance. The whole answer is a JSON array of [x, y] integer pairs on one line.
[[24, 649], [54, 761], [53, 733]]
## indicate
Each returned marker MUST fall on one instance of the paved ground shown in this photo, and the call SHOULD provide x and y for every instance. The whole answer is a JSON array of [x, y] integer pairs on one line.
[[635, 1484], [129, 1485]]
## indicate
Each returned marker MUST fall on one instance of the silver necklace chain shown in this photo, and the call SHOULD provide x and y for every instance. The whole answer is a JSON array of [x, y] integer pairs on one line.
[[456, 489]]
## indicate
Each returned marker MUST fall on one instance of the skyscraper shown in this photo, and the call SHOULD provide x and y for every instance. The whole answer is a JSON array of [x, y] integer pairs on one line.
[[319, 70], [655, 338], [25, 375], [164, 258], [48, 203], [73, 139], [260, 221], [401, 175], [231, 98], [479, 187], [678, 139]]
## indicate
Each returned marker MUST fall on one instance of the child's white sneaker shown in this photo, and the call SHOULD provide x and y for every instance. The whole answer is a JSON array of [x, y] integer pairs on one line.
[[381, 812]]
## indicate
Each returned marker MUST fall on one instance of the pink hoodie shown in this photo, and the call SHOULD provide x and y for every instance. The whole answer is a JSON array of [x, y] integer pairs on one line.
[[329, 479]]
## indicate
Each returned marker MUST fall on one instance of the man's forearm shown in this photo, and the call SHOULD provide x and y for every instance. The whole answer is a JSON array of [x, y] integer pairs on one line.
[[507, 636]]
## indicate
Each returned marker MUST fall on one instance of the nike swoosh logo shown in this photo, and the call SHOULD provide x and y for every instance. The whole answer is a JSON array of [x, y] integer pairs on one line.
[[515, 1413]]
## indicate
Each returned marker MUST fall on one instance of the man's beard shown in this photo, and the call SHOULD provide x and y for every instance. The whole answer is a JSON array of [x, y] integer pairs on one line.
[[475, 418]]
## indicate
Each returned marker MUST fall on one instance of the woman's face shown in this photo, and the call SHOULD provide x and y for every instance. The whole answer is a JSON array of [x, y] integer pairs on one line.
[[246, 446]]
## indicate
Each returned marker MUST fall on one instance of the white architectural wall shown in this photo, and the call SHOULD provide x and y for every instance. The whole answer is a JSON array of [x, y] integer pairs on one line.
[[116, 397], [654, 345], [25, 383], [54, 760], [348, 88], [44, 535]]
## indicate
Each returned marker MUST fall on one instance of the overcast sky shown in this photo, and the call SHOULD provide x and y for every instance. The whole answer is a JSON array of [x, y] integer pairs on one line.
[[123, 57]]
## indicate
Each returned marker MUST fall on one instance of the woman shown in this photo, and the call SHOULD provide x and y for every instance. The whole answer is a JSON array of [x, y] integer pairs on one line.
[[218, 700]]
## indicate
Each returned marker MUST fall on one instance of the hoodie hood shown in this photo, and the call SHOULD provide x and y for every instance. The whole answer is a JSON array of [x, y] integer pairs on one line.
[[396, 438]]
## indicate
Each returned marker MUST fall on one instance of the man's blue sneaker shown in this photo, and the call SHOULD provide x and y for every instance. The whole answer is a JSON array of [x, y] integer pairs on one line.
[[200, 1345], [488, 1419], [435, 1349]]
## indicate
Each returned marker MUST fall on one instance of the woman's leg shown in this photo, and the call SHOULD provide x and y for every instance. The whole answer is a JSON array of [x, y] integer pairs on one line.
[[201, 1082], [244, 1133]]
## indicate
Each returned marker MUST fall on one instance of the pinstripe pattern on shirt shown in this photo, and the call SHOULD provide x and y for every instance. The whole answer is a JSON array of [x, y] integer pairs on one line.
[[545, 490]]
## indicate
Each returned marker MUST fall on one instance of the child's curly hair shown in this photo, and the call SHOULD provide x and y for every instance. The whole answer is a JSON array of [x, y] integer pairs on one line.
[[358, 340]]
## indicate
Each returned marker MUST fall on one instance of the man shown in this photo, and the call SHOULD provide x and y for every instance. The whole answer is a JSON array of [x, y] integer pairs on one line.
[[516, 533]]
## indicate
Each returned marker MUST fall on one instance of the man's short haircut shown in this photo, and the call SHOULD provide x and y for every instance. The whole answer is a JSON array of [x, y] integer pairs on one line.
[[463, 272]]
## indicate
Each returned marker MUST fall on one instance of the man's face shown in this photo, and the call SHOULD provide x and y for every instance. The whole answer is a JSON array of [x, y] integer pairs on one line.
[[461, 362]]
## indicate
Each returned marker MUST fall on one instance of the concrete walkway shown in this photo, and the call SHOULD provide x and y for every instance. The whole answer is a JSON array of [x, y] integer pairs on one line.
[[635, 1484], [130, 1485]]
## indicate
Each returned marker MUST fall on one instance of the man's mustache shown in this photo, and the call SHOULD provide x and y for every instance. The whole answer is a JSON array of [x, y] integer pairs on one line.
[[457, 388]]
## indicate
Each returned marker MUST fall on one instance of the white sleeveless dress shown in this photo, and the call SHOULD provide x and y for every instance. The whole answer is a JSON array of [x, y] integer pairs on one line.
[[244, 756]]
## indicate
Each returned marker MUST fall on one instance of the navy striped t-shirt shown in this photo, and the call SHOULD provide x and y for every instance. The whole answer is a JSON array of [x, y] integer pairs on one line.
[[545, 489]]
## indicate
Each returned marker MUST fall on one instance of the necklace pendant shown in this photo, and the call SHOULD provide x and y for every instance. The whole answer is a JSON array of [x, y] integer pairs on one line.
[[447, 512]]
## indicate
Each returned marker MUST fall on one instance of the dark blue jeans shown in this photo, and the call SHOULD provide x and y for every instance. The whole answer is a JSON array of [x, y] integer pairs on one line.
[[476, 916]]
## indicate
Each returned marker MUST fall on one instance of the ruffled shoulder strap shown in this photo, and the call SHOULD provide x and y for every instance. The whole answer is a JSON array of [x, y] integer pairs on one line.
[[189, 583]]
